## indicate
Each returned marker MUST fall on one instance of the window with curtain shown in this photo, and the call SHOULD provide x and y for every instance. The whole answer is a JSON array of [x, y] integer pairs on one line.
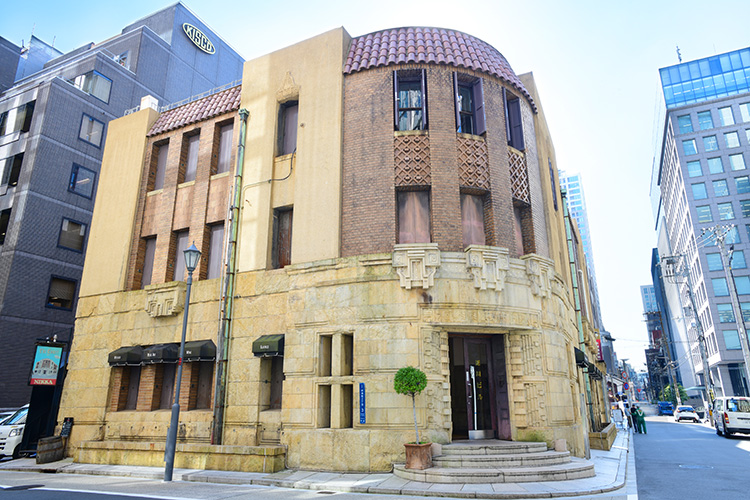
[[472, 219], [413, 216], [162, 152], [288, 117], [225, 148], [181, 238], [215, 248], [410, 105], [191, 162], [148, 262]]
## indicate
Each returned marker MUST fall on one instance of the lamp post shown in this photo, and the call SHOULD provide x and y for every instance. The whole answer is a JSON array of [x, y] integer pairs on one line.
[[192, 255]]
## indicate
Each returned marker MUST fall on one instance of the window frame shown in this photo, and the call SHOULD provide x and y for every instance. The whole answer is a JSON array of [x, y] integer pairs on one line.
[[693, 187], [476, 87], [702, 122], [732, 163], [742, 184], [731, 144], [710, 143], [83, 240], [711, 162], [80, 130], [726, 210], [5, 223], [720, 193], [409, 76], [722, 115], [71, 186], [72, 300], [685, 122], [693, 144], [80, 85], [513, 121], [284, 129], [700, 210], [692, 172]]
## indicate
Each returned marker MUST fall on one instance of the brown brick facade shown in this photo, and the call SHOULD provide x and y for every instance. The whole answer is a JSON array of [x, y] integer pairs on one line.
[[191, 206], [374, 166]]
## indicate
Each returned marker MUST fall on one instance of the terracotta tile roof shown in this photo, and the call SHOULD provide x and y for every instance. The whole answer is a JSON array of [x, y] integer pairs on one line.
[[193, 112], [430, 45]]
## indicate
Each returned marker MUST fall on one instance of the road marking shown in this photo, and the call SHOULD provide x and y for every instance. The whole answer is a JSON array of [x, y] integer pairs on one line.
[[744, 445]]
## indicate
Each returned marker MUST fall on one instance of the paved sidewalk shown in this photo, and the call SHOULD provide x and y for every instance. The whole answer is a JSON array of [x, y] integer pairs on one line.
[[615, 479]]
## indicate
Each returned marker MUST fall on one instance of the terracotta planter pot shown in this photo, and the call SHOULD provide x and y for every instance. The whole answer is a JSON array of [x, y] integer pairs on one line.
[[418, 456]]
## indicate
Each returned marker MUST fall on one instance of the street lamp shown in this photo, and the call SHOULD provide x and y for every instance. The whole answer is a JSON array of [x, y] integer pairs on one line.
[[192, 255]]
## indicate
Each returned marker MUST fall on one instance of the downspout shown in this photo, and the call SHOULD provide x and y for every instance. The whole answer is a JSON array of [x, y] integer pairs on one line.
[[227, 293], [577, 299]]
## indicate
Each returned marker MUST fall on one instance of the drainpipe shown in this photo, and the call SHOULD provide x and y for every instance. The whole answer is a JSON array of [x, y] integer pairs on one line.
[[577, 299], [227, 293]]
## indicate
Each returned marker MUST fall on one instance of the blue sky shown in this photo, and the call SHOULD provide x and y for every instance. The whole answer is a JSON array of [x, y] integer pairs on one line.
[[595, 63]]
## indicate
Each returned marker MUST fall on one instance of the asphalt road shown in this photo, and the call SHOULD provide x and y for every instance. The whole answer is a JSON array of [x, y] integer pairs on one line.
[[685, 461]]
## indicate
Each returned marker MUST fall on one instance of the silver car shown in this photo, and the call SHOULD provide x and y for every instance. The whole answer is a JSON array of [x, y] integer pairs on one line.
[[732, 414]]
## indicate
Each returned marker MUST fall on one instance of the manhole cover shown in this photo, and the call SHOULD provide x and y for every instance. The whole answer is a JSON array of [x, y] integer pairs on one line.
[[695, 467], [23, 487]]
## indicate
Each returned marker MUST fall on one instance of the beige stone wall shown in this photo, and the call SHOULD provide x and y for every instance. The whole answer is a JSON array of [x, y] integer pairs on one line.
[[311, 73], [364, 299]]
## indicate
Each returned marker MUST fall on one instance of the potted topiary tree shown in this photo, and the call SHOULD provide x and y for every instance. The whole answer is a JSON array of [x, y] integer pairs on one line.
[[411, 381]]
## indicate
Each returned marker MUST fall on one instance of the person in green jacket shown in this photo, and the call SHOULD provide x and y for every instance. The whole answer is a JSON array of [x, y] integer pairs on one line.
[[640, 420]]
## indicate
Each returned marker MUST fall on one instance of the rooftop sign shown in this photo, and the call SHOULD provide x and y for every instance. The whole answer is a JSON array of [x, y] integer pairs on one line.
[[198, 38]]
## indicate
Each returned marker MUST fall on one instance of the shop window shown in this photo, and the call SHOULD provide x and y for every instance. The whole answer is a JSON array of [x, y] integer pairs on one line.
[[61, 293], [469, 104], [148, 261], [178, 258], [413, 216], [472, 219], [410, 105], [513, 121], [159, 164], [91, 130], [12, 170], [215, 251], [288, 115], [190, 146], [225, 148], [72, 235], [281, 250], [166, 393], [82, 181], [95, 84], [4, 223]]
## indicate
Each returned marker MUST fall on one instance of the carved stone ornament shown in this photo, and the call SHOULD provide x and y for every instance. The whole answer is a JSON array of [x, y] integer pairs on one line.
[[416, 264], [488, 266], [289, 90], [165, 300], [540, 273]]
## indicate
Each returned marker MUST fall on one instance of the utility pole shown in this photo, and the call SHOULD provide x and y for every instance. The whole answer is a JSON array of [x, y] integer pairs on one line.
[[672, 268], [670, 369], [720, 233]]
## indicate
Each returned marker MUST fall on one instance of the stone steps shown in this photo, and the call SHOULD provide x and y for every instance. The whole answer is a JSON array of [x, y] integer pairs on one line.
[[493, 461]]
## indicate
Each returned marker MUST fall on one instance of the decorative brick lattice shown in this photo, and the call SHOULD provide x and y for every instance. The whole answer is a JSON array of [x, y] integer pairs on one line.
[[412, 160], [473, 163], [519, 176]]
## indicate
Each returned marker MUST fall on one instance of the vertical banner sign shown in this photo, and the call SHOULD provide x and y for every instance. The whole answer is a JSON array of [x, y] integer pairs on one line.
[[362, 403], [46, 364]]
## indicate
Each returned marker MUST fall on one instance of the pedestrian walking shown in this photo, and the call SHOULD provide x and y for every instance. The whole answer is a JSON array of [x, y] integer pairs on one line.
[[625, 416], [632, 419], [641, 419]]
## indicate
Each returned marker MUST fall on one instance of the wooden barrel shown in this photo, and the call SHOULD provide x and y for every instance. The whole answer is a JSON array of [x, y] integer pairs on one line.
[[50, 449]]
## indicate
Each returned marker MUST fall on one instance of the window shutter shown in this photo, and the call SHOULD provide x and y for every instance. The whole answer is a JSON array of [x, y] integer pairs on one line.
[[479, 118], [455, 100], [395, 100], [516, 131], [507, 117], [424, 99]]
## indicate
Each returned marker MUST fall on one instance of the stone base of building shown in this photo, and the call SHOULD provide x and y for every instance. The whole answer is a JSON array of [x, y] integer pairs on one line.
[[189, 456], [603, 439]]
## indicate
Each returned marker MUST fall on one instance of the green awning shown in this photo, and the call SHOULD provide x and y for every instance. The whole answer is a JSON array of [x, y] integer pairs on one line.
[[580, 357], [269, 345], [126, 356], [200, 350]]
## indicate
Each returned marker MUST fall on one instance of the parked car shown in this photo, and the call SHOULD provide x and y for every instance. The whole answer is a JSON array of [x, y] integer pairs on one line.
[[5, 414], [732, 414], [686, 413], [666, 408], [11, 433]]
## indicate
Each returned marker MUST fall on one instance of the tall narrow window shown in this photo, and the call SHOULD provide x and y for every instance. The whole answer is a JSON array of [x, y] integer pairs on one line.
[[23, 117], [4, 123], [12, 170], [225, 148], [181, 244], [134, 382], [4, 222], [288, 127], [161, 165], [410, 104], [413, 216], [513, 121], [91, 130], [167, 385], [215, 248], [472, 219], [205, 382], [282, 237], [469, 96], [191, 157], [148, 262], [552, 183]]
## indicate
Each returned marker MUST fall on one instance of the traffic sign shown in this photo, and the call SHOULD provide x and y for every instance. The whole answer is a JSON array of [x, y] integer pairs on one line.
[[626, 386]]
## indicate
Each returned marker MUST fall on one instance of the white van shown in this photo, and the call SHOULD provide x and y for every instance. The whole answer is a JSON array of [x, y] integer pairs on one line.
[[11, 433], [732, 414]]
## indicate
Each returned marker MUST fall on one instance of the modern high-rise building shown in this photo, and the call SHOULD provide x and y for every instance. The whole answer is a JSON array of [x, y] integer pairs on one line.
[[54, 116], [704, 190]]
